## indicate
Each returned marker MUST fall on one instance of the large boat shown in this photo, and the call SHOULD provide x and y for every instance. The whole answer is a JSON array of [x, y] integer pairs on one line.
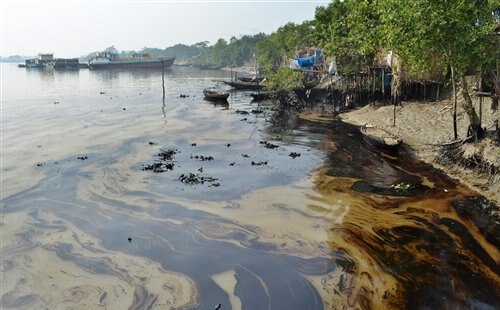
[[66, 64], [106, 60]]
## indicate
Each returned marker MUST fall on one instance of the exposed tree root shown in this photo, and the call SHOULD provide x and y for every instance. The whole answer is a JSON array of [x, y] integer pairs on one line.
[[470, 156]]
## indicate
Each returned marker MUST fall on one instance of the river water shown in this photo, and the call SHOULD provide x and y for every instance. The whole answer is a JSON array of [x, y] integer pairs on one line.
[[86, 224]]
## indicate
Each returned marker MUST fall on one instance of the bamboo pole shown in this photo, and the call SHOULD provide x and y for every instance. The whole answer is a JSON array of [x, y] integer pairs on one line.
[[163, 78], [455, 133]]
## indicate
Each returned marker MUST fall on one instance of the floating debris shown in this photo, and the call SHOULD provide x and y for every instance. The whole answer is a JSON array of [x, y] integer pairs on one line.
[[243, 119], [269, 145], [193, 179], [257, 111], [168, 154], [232, 164], [129, 239], [193, 144], [152, 143], [165, 162], [159, 167], [82, 157], [245, 155], [102, 93], [203, 158], [293, 154], [260, 163], [228, 145], [242, 112]]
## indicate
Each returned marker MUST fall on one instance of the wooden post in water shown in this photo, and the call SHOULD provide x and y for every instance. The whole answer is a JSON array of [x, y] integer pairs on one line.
[[163, 78]]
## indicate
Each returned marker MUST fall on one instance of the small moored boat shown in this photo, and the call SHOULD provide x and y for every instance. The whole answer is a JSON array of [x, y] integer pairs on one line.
[[380, 138], [250, 79], [244, 85], [215, 94]]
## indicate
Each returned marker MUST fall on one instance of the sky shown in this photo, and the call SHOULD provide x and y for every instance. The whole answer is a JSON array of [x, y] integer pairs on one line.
[[74, 28]]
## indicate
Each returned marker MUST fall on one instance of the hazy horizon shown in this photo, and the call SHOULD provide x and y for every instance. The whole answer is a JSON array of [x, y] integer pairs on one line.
[[75, 28]]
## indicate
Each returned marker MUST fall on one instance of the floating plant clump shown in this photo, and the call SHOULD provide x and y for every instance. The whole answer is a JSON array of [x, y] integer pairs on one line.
[[164, 162]]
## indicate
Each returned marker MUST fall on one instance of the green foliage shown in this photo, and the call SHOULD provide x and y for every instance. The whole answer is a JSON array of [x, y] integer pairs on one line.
[[284, 79], [236, 52], [426, 34], [348, 30], [185, 52], [219, 53], [401, 187], [274, 50]]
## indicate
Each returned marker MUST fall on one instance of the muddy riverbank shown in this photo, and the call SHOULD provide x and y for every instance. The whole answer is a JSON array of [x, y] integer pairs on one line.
[[424, 126]]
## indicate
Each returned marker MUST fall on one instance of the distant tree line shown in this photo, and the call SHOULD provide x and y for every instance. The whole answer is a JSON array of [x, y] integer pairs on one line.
[[13, 58]]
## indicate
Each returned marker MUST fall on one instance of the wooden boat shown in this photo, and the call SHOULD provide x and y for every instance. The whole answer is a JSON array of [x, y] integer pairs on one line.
[[215, 94], [248, 79], [244, 85], [380, 138]]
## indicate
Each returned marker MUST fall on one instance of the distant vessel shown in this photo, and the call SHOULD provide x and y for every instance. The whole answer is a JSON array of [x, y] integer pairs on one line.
[[105, 60], [42, 61], [66, 64], [47, 61]]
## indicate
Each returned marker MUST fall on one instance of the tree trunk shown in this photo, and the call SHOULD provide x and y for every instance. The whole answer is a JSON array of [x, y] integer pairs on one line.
[[496, 87], [475, 130], [455, 131], [395, 85], [383, 85]]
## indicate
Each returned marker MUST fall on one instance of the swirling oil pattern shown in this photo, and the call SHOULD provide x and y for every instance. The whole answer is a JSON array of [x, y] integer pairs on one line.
[[287, 212]]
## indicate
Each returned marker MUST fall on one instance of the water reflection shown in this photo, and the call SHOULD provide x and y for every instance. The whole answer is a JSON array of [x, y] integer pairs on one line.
[[132, 75]]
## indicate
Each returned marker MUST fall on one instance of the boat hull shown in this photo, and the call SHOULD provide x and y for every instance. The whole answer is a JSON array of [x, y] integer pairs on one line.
[[215, 96], [380, 138], [244, 85], [134, 64]]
